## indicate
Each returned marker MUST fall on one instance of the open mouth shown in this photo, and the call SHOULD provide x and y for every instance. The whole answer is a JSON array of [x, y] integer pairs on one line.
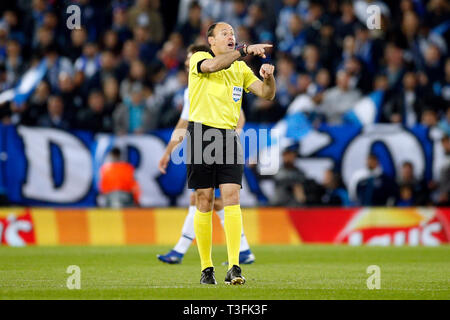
[[231, 45]]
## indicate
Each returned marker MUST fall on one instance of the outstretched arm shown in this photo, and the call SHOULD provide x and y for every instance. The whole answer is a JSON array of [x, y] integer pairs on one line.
[[223, 61]]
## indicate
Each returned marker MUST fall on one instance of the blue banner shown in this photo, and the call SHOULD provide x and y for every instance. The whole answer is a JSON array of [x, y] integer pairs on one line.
[[50, 167]]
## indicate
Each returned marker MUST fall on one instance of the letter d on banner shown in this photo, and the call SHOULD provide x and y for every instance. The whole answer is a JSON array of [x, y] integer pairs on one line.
[[77, 163]]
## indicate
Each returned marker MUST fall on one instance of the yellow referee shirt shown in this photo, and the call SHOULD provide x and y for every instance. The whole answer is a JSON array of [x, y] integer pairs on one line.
[[215, 98]]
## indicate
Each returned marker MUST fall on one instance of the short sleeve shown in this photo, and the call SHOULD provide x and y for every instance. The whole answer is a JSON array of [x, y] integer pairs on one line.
[[194, 61], [249, 76]]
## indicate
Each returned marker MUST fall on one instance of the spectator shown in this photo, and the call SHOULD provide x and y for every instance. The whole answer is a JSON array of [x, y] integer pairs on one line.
[[172, 52], [191, 28], [334, 194], [95, 118], [111, 42], [38, 9], [339, 99], [295, 39], [286, 80], [394, 67], [328, 45], [133, 116], [289, 190], [429, 118], [111, 91], [37, 105], [238, 15], [55, 114], [15, 29], [73, 98], [145, 14], [347, 21], [108, 68], [147, 48], [137, 75], [359, 76], [370, 186], [444, 124], [257, 21], [130, 52], [88, 64], [442, 88], [120, 25], [290, 8], [406, 196], [44, 38], [407, 105], [417, 189], [433, 66], [78, 38], [55, 65], [311, 61], [14, 63], [117, 182]]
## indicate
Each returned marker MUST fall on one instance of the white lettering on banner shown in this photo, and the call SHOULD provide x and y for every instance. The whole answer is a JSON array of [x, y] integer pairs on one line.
[[427, 234], [413, 237], [150, 149], [14, 226], [402, 145], [39, 183]]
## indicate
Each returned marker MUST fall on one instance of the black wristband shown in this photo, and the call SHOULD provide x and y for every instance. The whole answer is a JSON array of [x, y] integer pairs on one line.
[[242, 50]]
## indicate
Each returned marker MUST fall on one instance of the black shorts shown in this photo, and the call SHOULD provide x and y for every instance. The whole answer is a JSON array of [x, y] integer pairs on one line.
[[214, 156]]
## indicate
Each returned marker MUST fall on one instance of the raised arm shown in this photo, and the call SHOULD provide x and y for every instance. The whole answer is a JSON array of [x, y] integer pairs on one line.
[[265, 89], [223, 61]]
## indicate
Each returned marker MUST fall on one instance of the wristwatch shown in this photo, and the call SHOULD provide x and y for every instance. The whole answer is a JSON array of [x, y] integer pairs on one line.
[[242, 48]]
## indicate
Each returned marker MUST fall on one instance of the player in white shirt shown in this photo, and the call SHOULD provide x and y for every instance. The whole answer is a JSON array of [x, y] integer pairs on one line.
[[175, 256]]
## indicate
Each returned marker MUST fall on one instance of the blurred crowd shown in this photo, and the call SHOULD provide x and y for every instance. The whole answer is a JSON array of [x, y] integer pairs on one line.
[[123, 70]]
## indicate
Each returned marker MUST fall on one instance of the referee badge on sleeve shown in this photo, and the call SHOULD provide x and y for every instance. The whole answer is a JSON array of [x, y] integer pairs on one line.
[[237, 93]]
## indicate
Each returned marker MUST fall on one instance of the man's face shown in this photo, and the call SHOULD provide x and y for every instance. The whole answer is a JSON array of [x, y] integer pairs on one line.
[[96, 102], [407, 172], [55, 106], [372, 163], [289, 158], [223, 39]]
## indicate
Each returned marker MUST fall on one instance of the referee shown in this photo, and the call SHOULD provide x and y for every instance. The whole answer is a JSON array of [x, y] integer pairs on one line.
[[216, 84]]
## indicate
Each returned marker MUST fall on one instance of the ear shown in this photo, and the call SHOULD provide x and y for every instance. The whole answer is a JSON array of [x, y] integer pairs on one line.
[[211, 40]]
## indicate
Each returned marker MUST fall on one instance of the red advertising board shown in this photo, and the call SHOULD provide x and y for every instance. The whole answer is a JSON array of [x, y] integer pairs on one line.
[[17, 229], [373, 226]]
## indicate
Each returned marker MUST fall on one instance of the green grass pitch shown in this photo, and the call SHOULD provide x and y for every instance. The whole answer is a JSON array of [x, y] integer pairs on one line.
[[280, 272]]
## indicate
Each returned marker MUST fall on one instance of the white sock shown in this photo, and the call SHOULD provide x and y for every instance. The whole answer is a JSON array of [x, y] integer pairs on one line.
[[244, 243], [187, 233], [221, 214]]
